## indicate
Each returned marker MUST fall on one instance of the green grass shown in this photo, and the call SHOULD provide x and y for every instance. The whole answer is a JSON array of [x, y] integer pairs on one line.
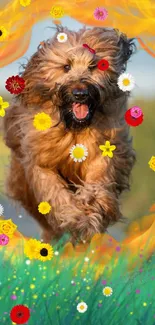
[[124, 306]]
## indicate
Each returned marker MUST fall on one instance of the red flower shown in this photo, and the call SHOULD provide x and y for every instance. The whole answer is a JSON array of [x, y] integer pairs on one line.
[[103, 65], [89, 48], [20, 314], [132, 121], [15, 84]]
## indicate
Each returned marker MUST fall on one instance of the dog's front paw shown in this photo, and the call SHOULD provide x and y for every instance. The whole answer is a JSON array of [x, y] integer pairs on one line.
[[88, 225]]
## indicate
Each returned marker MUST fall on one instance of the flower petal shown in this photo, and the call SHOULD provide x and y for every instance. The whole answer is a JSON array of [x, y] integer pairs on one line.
[[110, 154], [2, 112], [113, 147], [5, 105], [102, 147], [107, 144]]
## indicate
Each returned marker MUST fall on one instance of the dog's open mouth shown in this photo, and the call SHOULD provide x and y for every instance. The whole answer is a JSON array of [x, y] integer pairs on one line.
[[81, 111]]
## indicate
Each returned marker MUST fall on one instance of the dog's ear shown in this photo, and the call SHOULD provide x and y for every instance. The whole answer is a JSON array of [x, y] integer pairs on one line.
[[127, 48]]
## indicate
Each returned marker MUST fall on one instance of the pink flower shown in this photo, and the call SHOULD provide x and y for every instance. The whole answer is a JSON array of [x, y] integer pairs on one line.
[[135, 111], [4, 239], [100, 13], [13, 297], [104, 281]]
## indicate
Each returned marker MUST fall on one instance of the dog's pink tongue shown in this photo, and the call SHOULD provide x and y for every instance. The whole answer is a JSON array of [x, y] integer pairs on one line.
[[80, 110]]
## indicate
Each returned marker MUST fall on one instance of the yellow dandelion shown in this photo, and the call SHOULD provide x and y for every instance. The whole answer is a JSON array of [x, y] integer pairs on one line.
[[32, 286], [44, 207], [44, 252], [3, 105], [152, 163], [3, 33], [30, 248], [57, 12], [107, 291], [42, 121], [144, 304], [25, 3], [35, 296], [107, 149]]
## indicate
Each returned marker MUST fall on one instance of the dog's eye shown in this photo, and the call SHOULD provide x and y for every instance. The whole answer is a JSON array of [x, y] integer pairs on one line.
[[91, 67], [67, 67]]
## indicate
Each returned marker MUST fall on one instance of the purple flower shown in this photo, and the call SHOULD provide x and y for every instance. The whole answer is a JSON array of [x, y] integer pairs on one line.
[[137, 291], [100, 13], [13, 297], [118, 248], [4, 239], [104, 281]]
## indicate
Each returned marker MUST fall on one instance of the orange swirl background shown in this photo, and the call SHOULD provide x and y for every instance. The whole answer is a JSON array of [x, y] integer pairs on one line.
[[136, 18]]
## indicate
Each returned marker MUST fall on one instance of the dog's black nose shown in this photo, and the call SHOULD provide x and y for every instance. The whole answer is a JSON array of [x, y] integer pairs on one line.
[[80, 94]]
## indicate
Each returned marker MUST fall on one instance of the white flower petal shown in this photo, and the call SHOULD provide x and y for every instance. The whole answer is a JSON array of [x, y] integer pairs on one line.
[[1, 209]]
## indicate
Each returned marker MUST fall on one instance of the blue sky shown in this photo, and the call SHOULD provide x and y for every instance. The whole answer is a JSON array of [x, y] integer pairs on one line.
[[142, 65]]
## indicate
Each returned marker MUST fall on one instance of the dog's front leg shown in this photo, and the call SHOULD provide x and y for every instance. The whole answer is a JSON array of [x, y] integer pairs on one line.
[[48, 186], [99, 201]]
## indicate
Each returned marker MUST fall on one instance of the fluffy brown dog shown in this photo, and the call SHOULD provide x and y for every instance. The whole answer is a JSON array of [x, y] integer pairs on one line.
[[86, 107]]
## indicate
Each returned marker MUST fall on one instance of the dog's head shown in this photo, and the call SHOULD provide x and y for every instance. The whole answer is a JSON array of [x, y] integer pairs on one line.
[[67, 74]]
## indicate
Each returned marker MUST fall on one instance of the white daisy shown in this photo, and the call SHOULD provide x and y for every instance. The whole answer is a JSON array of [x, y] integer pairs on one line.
[[82, 307], [78, 153], [56, 253], [107, 291], [1, 209], [126, 82], [28, 262], [86, 259], [62, 37]]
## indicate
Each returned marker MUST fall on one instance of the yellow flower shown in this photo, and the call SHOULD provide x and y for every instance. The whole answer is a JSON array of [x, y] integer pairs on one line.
[[107, 291], [30, 248], [25, 3], [32, 286], [107, 149], [3, 105], [42, 121], [7, 227], [57, 12], [144, 304], [44, 207], [44, 252], [152, 163], [3, 33]]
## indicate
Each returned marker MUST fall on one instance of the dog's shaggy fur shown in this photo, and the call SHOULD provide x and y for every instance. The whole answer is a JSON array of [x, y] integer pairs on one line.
[[84, 196]]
